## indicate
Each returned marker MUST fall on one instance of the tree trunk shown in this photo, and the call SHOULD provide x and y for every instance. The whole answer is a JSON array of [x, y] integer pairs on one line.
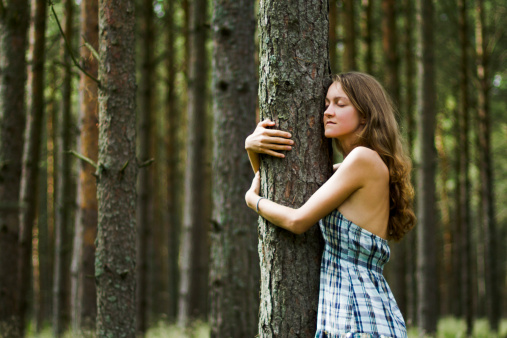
[[427, 220], [486, 171], [145, 186], [368, 33], [294, 77], [115, 260], [173, 174], [464, 194], [234, 272], [14, 18], [31, 155], [61, 281], [193, 223], [333, 37], [349, 58], [83, 290], [389, 46]]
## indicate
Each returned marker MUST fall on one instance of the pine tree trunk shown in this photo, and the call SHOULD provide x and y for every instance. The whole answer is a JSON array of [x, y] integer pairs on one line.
[[464, 194], [145, 186], [486, 171], [83, 290], [427, 220], [61, 281], [294, 77], [368, 32], [234, 272], [115, 260], [349, 57], [193, 224], [333, 37], [172, 117], [31, 155], [14, 18]]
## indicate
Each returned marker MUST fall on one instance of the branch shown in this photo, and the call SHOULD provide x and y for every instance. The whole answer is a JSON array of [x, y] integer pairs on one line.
[[68, 46], [146, 163], [90, 47], [82, 157]]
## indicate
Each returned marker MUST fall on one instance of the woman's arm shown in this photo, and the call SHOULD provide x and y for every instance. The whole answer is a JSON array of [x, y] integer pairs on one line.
[[350, 177], [266, 141]]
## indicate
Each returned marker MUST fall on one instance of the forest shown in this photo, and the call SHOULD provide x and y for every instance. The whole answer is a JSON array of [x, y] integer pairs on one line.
[[123, 168]]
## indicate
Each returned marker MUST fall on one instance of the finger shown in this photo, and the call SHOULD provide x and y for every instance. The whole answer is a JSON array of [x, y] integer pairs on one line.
[[277, 140], [266, 123], [272, 146], [276, 132], [273, 153]]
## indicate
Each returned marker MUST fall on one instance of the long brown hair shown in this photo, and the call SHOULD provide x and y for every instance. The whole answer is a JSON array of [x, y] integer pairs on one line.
[[381, 133]]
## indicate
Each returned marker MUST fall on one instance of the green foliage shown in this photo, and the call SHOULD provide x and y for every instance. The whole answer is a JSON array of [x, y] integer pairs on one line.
[[450, 327]]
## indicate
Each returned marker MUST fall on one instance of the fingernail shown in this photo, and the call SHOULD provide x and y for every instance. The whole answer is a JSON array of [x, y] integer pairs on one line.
[[289, 135], [291, 142], [289, 148]]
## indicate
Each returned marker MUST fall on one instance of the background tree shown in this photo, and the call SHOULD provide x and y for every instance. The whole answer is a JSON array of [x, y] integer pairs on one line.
[[234, 270], [349, 57], [426, 162], [115, 259], [14, 18], [294, 76], [83, 290]]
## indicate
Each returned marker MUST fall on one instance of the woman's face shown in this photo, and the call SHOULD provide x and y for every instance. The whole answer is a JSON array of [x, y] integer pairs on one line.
[[341, 119]]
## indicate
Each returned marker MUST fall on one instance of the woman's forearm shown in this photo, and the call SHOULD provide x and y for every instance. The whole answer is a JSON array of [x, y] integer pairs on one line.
[[254, 160]]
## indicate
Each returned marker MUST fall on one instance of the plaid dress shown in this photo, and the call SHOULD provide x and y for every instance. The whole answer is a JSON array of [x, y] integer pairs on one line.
[[355, 300]]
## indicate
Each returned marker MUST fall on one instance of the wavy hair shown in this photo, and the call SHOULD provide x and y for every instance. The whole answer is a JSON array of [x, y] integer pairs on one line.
[[381, 133]]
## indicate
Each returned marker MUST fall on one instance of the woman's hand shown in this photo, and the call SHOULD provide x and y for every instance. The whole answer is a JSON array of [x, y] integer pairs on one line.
[[268, 141], [252, 195]]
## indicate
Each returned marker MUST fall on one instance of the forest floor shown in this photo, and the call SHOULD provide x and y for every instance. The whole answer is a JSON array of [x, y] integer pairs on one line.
[[447, 328]]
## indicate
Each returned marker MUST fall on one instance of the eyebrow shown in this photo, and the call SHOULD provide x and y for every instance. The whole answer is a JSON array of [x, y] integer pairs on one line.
[[337, 97]]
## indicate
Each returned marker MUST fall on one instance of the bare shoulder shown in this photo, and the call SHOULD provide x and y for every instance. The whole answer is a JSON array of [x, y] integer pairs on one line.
[[368, 161]]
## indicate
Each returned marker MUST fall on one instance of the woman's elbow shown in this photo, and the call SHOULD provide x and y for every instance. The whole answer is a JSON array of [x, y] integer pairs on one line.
[[297, 225]]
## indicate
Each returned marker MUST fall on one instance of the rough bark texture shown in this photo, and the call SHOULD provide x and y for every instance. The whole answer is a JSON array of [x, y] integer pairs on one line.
[[234, 271], [349, 57], [63, 243], [31, 155], [464, 193], [294, 77], [426, 211], [14, 19], [115, 259], [145, 185], [193, 221], [83, 290], [486, 172], [172, 117]]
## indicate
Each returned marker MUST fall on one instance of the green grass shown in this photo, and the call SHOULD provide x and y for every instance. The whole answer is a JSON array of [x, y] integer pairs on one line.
[[448, 327]]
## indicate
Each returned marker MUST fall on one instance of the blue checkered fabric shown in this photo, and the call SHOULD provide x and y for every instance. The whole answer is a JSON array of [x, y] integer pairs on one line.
[[354, 299]]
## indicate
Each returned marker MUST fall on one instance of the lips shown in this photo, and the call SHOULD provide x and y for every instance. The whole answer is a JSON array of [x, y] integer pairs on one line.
[[329, 122]]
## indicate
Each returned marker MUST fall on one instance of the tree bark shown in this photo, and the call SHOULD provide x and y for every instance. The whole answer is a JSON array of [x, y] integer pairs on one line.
[[368, 33], [234, 271], [486, 171], [349, 57], [389, 46], [333, 37], [83, 290], [145, 185], [61, 281], [31, 156], [294, 77], [427, 220], [14, 18], [115, 259], [190, 292]]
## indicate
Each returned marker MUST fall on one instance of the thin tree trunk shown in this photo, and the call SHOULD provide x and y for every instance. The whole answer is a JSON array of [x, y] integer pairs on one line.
[[465, 241], [486, 171], [333, 37], [14, 18], [389, 46], [368, 33], [145, 186], [427, 227], [234, 272], [31, 155], [61, 281], [83, 290], [172, 117], [115, 260], [293, 83], [349, 57], [194, 179]]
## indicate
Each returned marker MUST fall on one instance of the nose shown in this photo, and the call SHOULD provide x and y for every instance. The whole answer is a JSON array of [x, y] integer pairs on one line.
[[328, 111]]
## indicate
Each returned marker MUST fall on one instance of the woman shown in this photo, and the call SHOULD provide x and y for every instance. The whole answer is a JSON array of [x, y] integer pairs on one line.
[[367, 201]]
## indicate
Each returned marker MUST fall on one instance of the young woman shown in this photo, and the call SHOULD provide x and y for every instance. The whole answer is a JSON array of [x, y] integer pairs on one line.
[[367, 201]]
